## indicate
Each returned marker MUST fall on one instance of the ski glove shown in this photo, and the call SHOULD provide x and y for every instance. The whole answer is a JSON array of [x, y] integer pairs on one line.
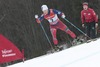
[[83, 25], [63, 16], [96, 25], [36, 16]]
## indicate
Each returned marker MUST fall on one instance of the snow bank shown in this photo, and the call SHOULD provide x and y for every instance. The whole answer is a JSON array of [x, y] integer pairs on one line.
[[84, 55]]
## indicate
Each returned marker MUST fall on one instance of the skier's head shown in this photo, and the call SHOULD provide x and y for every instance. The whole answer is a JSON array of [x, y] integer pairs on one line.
[[85, 5], [44, 8]]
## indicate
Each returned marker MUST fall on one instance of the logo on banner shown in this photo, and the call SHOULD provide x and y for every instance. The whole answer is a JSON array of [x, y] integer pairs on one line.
[[7, 53]]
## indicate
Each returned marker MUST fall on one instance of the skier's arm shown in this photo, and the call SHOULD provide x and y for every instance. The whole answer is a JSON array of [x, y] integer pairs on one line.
[[59, 13], [94, 16], [39, 19], [82, 17]]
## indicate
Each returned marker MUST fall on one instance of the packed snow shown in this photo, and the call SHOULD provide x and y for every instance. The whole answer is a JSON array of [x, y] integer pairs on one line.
[[84, 55]]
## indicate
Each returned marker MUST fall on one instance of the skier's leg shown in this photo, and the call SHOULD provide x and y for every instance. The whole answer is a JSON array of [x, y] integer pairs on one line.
[[93, 33], [87, 30], [74, 42], [53, 32], [70, 33], [63, 27]]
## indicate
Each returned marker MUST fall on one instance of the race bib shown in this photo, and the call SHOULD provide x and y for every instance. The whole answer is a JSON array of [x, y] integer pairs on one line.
[[54, 19]]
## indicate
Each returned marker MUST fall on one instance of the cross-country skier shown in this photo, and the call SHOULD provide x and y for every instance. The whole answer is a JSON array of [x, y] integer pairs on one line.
[[55, 22], [89, 20]]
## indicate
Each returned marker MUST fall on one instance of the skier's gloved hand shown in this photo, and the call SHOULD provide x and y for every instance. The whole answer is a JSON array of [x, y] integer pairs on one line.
[[96, 25], [37, 19], [83, 25], [63, 16], [36, 16]]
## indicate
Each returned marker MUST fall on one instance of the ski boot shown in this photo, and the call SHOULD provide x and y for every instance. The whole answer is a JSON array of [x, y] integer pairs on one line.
[[80, 41], [58, 48], [77, 41], [74, 42]]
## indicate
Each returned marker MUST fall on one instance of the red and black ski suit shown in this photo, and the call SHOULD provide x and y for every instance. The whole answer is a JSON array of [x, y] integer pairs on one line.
[[89, 18], [55, 24]]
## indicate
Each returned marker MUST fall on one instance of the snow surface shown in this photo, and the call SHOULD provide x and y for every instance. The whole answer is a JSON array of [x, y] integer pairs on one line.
[[84, 55]]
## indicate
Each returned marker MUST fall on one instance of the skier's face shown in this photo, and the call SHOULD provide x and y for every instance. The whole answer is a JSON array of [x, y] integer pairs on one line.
[[45, 12], [85, 7]]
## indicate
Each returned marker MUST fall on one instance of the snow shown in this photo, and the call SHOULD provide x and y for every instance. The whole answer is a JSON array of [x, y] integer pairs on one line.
[[84, 55]]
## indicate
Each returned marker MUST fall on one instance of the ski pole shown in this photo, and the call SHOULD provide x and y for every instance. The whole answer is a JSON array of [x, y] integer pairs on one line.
[[36, 16], [46, 35], [76, 27]]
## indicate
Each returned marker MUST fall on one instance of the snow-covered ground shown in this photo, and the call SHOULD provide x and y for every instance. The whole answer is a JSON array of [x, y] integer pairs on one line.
[[84, 55]]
